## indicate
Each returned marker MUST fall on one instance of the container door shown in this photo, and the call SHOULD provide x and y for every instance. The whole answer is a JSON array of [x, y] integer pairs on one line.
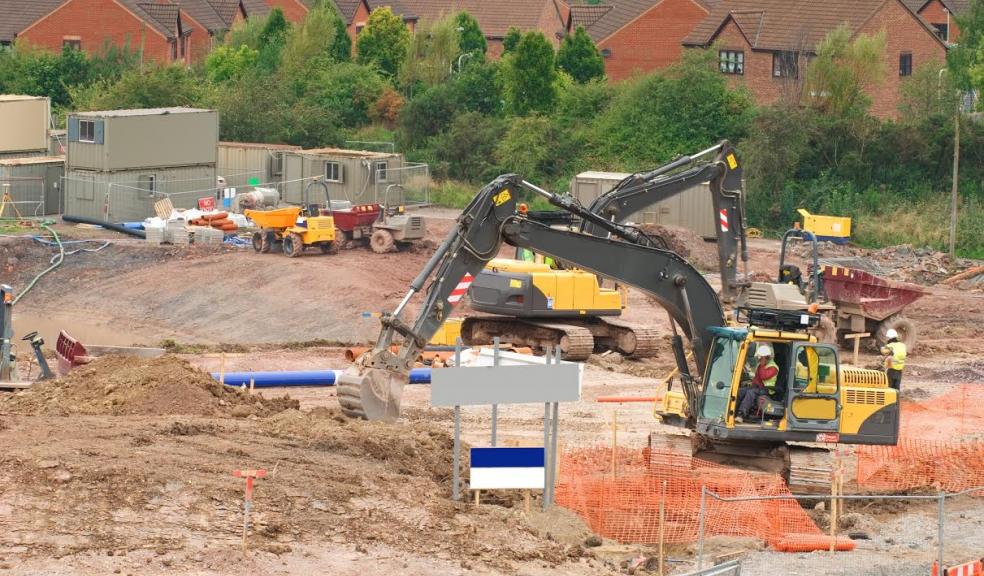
[[53, 195], [813, 396]]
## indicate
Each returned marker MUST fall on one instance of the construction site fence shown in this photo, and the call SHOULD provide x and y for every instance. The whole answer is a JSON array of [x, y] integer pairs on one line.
[[652, 496], [408, 185], [29, 197]]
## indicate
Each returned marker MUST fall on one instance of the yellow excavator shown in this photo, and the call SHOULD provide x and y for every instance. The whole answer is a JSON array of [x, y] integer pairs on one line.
[[822, 401], [543, 305]]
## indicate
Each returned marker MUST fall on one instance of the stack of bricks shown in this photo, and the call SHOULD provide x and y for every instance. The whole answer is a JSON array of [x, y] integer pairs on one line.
[[178, 233], [155, 235]]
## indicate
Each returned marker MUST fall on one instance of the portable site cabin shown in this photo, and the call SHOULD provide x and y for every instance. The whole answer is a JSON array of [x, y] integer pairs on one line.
[[358, 176], [24, 126], [692, 208], [240, 163], [120, 162], [34, 184]]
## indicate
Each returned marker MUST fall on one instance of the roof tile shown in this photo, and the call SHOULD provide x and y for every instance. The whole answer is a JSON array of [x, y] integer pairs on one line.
[[19, 14]]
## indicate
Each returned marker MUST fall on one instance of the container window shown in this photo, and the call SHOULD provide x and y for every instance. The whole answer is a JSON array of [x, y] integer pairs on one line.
[[148, 183], [333, 172], [381, 169], [87, 131]]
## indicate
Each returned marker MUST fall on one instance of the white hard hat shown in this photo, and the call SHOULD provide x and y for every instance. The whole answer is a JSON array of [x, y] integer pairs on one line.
[[891, 333], [763, 350]]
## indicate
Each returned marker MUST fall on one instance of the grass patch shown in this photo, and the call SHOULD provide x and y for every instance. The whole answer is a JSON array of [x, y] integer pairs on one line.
[[924, 223]]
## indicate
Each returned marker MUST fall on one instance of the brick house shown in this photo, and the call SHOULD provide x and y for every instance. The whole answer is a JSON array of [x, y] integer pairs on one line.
[[765, 45], [355, 13], [164, 31], [496, 17], [638, 35], [939, 15]]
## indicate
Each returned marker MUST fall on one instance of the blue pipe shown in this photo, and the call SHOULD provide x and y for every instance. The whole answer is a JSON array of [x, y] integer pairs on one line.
[[302, 378]]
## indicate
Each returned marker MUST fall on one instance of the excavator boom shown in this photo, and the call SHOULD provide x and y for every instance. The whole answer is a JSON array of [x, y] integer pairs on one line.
[[372, 387]]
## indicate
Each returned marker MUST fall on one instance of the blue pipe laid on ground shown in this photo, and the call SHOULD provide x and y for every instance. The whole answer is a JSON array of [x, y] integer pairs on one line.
[[302, 378]]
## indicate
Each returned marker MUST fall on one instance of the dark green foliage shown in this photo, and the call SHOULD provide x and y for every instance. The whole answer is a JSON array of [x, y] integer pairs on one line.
[[157, 86], [428, 114], [512, 38], [579, 57], [966, 60], [340, 49], [529, 76], [471, 39], [468, 147], [274, 29]]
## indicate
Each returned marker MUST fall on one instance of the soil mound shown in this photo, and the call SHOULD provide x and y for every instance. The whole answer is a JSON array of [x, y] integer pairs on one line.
[[118, 385], [690, 245]]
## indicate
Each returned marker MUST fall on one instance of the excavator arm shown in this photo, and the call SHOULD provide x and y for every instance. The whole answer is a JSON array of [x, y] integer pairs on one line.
[[372, 387], [723, 175]]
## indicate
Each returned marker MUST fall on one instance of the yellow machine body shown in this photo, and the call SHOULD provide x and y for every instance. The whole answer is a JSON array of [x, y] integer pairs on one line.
[[534, 289], [314, 229]]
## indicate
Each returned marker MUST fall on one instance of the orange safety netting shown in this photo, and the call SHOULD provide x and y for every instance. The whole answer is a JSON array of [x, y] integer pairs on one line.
[[625, 506], [941, 446]]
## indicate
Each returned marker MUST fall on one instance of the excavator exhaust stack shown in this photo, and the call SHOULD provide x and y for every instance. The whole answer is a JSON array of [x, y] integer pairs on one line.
[[370, 393]]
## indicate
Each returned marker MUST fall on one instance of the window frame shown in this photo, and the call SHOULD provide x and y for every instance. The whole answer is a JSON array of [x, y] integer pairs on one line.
[[73, 42], [92, 131], [384, 173], [785, 64], [731, 62], [337, 169], [905, 64]]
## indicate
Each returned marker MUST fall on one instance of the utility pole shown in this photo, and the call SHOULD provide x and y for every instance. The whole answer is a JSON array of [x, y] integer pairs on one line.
[[954, 196]]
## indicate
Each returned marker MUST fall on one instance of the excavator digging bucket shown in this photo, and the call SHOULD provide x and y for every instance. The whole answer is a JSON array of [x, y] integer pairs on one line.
[[370, 393]]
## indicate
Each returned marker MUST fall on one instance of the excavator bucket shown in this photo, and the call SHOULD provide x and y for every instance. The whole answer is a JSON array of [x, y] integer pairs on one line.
[[370, 393]]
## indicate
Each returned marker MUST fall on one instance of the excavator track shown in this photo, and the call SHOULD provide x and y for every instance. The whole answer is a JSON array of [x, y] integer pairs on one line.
[[631, 340], [806, 469], [575, 342]]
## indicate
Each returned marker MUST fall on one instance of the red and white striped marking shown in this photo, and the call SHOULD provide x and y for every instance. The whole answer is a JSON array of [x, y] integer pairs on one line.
[[724, 220], [462, 287], [968, 569]]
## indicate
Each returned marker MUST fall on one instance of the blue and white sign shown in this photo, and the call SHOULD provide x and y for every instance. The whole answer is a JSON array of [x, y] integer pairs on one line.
[[507, 468]]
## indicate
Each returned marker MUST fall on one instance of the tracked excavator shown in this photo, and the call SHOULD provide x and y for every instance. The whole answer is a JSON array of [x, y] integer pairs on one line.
[[823, 400], [534, 304]]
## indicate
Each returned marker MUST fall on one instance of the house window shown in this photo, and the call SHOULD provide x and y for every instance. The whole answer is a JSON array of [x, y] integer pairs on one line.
[[333, 172], [72, 43], [87, 131], [5, 45], [732, 61], [942, 30], [785, 64], [380, 169], [358, 28], [905, 64], [606, 52]]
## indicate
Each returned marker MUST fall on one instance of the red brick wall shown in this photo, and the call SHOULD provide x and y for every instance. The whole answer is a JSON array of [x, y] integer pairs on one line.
[[200, 41], [358, 22], [294, 10], [903, 34], [935, 13], [651, 41], [96, 21]]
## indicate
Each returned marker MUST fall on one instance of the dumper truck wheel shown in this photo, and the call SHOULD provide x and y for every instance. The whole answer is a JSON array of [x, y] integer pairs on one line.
[[382, 241], [267, 242], [329, 247], [293, 245], [905, 327], [341, 238], [258, 241]]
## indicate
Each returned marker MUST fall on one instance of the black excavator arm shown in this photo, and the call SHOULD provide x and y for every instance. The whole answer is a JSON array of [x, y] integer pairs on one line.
[[723, 174], [372, 388]]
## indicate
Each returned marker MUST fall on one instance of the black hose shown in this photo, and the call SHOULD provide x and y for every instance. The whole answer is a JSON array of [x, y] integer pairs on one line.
[[107, 225]]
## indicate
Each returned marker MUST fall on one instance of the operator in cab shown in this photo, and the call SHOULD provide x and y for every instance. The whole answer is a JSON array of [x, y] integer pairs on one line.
[[763, 383], [895, 353]]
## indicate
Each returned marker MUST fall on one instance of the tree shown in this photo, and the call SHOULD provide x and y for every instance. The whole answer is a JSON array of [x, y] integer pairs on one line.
[[512, 38], [431, 54], [966, 59], [275, 28], [309, 46], [471, 40], [579, 57], [468, 147], [383, 42], [159, 86], [340, 49], [529, 75], [843, 69], [224, 62]]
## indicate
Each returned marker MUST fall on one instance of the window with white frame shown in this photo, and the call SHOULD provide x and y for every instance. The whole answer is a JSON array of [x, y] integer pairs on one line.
[[87, 131], [380, 168], [333, 172], [731, 61]]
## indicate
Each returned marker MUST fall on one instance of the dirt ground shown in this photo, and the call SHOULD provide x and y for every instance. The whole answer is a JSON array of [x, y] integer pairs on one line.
[[127, 468]]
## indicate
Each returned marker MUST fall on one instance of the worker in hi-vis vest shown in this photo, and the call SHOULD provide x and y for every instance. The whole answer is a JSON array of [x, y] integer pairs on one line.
[[895, 354], [763, 383]]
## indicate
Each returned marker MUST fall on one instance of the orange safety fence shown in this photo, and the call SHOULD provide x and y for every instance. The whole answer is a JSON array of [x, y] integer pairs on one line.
[[941, 446], [624, 504]]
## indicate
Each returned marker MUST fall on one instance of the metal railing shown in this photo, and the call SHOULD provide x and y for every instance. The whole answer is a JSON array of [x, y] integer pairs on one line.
[[941, 498], [413, 177]]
